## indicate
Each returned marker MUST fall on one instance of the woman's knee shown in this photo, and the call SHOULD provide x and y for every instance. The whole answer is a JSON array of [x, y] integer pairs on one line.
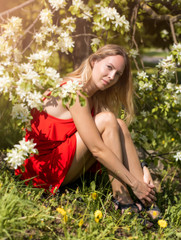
[[105, 120]]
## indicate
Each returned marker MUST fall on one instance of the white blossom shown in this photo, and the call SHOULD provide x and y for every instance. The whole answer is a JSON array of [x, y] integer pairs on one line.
[[42, 55], [70, 87], [87, 12], [177, 156], [47, 30], [52, 73], [21, 91], [20, 152], [99, 26], [71, 28], [177, 98], [50, 43], [65, 43], [95, 41], [1, 70], [5, 83], [20, 111], [143, 113], [167, 66], [133, 53], [179, 114], [13, 27], [59, 31], [176, 47], [39, 37], [78, 3], [34, 99], [145, 85], [57, 4], [108, 13], [68, 20], [46, 16], [26, 67], [5, 49], [17, 55], [27, 73], [121, 21], [170, 86], [142, 75], [178, 89]]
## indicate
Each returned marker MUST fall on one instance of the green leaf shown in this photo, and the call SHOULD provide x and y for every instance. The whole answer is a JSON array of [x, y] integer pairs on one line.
[[178, 234], [82, 101], [93, 185]]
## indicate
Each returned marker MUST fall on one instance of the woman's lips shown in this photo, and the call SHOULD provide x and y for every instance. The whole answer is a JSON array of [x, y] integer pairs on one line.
[[105, 82]]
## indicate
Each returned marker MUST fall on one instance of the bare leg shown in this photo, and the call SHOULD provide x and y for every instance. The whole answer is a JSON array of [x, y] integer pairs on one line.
[[117, 138], [131, 162], [108, 128]]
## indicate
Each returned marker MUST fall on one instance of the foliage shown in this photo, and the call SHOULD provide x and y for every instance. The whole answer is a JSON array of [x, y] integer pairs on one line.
[[41, 41], [80, 211], [25, 73]]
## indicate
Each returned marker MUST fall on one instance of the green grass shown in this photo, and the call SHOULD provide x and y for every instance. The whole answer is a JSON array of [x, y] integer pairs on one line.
[[29, 213], [152, 52]]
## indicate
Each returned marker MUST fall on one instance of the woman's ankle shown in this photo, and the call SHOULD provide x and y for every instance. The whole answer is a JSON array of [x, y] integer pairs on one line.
[[123, 199]]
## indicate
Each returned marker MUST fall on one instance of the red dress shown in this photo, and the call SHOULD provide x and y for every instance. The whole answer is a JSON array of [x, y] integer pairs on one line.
[[56, 144]]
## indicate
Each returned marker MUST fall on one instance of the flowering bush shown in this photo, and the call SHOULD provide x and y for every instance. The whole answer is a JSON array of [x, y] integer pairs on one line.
[[25, 74]]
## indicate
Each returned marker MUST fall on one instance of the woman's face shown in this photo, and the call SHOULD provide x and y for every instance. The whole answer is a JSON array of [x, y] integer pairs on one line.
[[106, 72]]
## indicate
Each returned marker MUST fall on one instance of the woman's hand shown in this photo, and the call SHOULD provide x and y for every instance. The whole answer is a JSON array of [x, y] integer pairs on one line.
[[145, 192], [147, 176]]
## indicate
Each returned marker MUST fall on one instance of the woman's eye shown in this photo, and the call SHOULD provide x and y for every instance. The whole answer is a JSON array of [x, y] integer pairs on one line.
[[109, 67]]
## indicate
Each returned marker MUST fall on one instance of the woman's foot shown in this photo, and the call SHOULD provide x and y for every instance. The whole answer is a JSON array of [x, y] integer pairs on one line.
[[153, 211], [133, 208], [123, 206]]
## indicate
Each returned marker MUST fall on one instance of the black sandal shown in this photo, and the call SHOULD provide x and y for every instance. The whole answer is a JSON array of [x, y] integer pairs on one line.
[[131, 206]]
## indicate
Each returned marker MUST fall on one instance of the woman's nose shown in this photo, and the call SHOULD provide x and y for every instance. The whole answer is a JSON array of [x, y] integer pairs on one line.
[[112, 75]]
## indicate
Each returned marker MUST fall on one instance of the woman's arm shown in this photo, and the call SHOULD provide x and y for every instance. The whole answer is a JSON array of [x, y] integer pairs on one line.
[[90, 135]]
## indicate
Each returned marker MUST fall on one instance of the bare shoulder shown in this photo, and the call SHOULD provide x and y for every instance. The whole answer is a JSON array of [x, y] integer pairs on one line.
[[53, 106]]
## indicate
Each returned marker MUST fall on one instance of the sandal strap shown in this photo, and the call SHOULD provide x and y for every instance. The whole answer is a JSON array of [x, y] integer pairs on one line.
[[124, 206]]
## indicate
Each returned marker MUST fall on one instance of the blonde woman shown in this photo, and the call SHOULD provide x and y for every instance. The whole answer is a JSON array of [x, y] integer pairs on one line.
[[64, 135]]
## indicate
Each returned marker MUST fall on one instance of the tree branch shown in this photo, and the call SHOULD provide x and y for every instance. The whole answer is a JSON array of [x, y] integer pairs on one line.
[[133, 23], [154, 15], [7, 12], [85, 35], [173, 31]]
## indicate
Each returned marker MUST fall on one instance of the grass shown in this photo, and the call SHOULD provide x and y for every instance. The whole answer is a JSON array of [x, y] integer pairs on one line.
[[30, 213]]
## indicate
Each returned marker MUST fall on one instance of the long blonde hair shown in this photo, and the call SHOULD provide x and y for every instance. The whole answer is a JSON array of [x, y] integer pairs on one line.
[[118, 96]]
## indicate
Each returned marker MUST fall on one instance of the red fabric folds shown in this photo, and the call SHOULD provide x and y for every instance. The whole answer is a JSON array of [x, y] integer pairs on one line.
[[56, 144]]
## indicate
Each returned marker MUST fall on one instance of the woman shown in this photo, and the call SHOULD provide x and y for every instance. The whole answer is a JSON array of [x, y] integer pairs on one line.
[[64, 135]]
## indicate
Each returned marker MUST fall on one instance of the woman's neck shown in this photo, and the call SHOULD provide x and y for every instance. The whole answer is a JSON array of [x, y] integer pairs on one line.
[[90, 88]]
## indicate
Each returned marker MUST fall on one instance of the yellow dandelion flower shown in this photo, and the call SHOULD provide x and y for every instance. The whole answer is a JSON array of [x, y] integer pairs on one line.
[[163, 142], [96, 220], [156, 98], [97, 215], [94, 195], [61, 211], [1, 185], [30, 237], [162, 223], [172, 139], [81, 222], [155, 214]]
